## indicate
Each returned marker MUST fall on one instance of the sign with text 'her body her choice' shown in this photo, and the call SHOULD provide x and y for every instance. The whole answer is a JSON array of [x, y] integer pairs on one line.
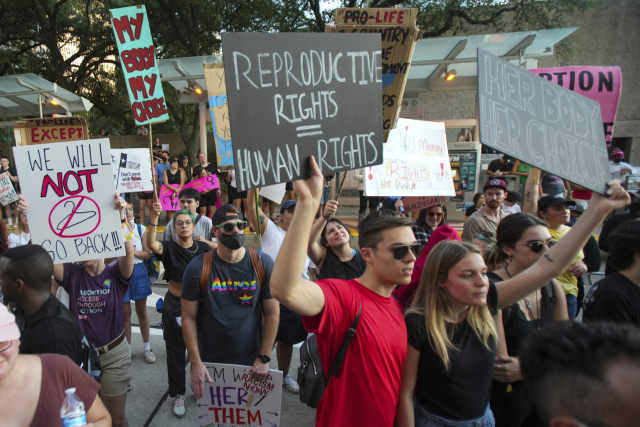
[[416, 162], [139, 64], [234, 399], [71, 199], [293, 95], [540, 123]]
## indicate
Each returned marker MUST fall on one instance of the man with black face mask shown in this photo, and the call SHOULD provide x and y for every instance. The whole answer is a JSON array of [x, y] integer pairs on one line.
[[612, 223], [232, 327]]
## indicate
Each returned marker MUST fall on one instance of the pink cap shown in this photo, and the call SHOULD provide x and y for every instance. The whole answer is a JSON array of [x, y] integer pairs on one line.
[[8, 329], [617, 153]]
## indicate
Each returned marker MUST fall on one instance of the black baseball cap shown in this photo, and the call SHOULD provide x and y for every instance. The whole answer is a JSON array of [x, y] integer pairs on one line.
[[547, 201], [220, 215], [577, 208]]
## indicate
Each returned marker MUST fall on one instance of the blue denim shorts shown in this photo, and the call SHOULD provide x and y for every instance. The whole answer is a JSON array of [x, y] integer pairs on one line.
[[427, 419], [326, 195], [140, 285]]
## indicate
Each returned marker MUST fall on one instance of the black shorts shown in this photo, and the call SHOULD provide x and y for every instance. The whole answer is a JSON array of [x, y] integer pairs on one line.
[[145, 196], [291, 331], [234, 194], [208, 199], [289, 186]]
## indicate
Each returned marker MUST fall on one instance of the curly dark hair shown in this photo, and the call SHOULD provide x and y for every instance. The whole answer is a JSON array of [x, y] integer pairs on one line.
[[624, 243]]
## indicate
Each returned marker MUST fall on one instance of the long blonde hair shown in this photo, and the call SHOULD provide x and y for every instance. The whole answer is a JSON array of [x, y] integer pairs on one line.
[[432, 300], [20, 225]]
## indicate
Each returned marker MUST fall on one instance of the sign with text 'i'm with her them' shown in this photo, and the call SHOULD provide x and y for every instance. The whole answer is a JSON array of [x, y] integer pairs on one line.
[[293, 95], [71, 199], [540, 123], [139, 64]]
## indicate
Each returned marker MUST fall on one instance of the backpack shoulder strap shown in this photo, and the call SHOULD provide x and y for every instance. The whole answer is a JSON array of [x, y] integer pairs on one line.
[[258, 268], [351, 332], [207, 260], [139, 230]]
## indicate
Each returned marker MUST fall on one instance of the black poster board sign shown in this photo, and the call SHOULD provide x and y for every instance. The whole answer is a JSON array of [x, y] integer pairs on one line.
[[293, 95], [540, 123]]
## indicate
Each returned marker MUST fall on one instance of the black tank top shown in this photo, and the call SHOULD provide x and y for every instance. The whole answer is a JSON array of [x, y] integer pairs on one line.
[[516, 325], [174, 178], [333, 268]]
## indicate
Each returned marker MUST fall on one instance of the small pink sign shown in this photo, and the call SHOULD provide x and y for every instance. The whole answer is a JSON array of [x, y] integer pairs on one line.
[[169, 199]]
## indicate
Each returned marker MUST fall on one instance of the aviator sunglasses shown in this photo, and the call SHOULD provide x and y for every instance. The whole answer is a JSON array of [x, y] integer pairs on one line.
[[537, 246], [401, 251], [228, 227], [438, 215]]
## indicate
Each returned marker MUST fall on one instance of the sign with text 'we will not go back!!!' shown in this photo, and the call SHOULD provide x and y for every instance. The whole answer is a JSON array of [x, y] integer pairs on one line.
[[540, 123], [293, 95], [139, 64], [71, 199]]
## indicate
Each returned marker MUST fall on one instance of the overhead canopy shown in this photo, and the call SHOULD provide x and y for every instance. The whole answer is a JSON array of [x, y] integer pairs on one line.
[[184, 74], [19, 98], [432, 57]]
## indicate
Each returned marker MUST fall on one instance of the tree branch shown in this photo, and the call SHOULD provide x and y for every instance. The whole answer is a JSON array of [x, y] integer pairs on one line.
[[315, 7]]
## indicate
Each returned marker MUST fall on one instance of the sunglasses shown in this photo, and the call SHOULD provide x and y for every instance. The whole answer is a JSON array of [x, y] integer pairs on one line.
[[229, 226], [438, 215], [5, 346], [538, 246], [401, 251]]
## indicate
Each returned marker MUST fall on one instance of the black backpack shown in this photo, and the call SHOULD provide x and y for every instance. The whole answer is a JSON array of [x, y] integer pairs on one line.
[[311, 378]]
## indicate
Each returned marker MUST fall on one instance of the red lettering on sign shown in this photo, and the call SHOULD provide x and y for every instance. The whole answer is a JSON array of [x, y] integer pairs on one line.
[[62, 185], [125, 23], [145, 110], [138, 59]]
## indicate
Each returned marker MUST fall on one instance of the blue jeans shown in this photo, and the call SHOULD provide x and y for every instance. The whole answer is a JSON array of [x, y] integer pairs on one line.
[[427, 419], [572, 306]]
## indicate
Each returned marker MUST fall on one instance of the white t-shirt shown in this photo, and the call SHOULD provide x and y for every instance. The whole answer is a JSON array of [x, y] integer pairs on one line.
[[271, 242], [137, 242], [16, 240], [616, 168], [508, 210], [233, 180]]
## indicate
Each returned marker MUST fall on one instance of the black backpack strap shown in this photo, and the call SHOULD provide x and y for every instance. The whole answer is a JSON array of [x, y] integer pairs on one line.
[[337, 362]]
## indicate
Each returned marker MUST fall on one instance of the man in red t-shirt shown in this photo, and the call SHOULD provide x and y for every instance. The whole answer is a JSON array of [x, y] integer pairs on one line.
[[366, 391]]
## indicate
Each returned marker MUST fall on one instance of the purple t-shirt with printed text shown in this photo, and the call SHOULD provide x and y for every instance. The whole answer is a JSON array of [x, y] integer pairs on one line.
[[98, 306]]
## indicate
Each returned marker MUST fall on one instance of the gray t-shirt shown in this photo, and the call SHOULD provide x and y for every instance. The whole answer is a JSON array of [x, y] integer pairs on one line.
[[232, 329], [203, 228]]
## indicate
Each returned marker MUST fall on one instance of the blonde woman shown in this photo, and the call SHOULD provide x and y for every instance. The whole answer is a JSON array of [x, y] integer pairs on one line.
[[451, 332], [20, 235]]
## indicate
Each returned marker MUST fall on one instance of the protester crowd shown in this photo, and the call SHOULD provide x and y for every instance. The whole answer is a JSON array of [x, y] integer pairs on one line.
[[445, 330]]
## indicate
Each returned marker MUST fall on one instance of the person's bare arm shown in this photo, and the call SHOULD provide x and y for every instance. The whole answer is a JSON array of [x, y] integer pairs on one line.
[[287, 286], [560, 256], [190, 333], [183, 180], [405, 416], [145, 253], [531, 189], [153, 245], [126, 261], [315, 251], [251, 212], [514, 171], [271, 310], [98, 415], [211, 244]]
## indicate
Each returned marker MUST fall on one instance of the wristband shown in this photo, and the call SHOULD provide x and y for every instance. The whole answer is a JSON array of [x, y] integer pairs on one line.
[[153, 225], [122, 221]]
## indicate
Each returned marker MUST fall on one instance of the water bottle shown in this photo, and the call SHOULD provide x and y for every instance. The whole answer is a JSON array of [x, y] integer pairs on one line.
[[72, 411]]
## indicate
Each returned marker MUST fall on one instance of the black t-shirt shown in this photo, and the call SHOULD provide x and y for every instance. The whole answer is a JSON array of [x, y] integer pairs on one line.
[[333, 268], [462, 393], [174, 178], [232, 328], [13, 172], [470, 210], [175, 258], [614, 298], [48, 330], [157, 148], [497, 166]]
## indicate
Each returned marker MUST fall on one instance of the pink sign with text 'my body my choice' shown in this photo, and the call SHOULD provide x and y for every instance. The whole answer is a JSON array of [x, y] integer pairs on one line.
[[602, 84], [169, 199]]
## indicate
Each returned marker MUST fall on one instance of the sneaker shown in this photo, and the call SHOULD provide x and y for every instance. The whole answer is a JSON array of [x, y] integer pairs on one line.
[[291, 384], [178, 406], [149, 356]]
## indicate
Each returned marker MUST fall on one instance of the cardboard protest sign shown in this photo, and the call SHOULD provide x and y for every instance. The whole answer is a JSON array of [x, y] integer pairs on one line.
[[293, 95], [275, 192], [50, 129], [399, 33], [540, 123], [71, 199], [234, 399], [219, 107], [602, 84], [169, 198], [7, 192], [416, 162], [132, 169], [417, 203], [139, 65]]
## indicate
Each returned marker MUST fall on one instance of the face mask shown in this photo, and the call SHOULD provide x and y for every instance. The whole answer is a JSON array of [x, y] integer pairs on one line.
[[232, 241]]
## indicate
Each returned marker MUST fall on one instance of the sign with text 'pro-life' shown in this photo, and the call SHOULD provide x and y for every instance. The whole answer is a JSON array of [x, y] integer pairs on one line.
[[139, 64], [71, 199], [293, 95], [416, 162], [540, 123], [234, 399]]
